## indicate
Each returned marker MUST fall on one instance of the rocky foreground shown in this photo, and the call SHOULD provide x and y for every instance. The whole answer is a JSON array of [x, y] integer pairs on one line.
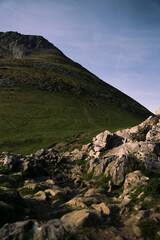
[[108, 189]]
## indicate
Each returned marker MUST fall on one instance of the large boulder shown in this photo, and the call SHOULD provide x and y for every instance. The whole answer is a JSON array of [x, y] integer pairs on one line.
[[83, 218], [137, 132], [124, 149], [133, 180], [106, 140], [152, 163], [102, 141], [153, 134], [11, 162], [101, 166], [117, 169]]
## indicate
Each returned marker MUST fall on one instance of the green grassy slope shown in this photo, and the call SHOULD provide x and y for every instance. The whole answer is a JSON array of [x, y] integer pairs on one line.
[[46, 98], [31, 118], [53, 71]]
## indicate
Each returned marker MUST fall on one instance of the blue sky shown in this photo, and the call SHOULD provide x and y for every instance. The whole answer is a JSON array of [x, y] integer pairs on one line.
[[117, 40]]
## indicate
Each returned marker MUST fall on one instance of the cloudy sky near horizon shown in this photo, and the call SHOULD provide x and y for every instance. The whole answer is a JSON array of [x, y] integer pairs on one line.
[[117, 40]]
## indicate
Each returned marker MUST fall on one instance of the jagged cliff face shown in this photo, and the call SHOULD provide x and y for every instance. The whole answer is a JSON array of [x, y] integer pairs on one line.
[[16, 45]]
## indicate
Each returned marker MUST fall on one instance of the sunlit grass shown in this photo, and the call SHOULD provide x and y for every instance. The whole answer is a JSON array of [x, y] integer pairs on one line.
[[32, 118]]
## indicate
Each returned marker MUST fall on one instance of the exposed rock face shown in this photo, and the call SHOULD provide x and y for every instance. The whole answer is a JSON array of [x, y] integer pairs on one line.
[[106, 140], [16, 45], [118, 169], [11, 162], [53, 229], [102, 140], [134, 180], [107, 189]]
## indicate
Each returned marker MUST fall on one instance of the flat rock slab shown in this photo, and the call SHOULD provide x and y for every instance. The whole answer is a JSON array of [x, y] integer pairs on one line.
[[83, 218]]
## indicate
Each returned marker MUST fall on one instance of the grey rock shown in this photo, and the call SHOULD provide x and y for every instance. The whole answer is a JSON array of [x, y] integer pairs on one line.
[[118, 169], [101, 166], [134, 180], [26, 165], [31, 229], [78, 155], [102, 141], [11, 162], [40, 153], [92, 164], [99, 169]]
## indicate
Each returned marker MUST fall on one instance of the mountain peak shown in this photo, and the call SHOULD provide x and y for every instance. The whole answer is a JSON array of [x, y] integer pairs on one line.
[[16, 45]]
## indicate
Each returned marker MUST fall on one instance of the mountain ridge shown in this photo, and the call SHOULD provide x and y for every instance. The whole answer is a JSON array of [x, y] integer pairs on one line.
[[18, 45]]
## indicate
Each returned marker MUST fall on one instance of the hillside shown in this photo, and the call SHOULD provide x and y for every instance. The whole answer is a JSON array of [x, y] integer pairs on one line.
[[47, 98], [107, 189]]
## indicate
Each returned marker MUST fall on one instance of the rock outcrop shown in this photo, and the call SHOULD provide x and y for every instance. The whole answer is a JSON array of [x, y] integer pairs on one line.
[[110, 188], [50, 230], [16, 45]]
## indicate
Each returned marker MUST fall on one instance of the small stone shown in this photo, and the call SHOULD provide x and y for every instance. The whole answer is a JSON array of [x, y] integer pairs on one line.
[[77, 203], [119, 238], [137, 231], [137, 207], [52, 192], [148, 199], [40, 195], [102, 207], [50, 182], [85, 147], [93, 192], [142, 214], [40, 153], [140, 195]]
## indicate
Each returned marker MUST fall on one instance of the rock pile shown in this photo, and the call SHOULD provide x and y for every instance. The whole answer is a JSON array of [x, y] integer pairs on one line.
[[110, 188]]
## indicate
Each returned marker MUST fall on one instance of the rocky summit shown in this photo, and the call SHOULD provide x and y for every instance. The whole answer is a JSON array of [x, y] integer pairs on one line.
[[16, 45], [108, 189]]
